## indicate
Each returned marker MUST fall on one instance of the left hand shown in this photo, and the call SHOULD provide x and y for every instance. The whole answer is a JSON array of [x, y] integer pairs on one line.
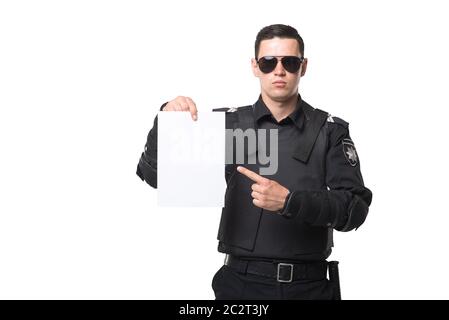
[[267, 194]]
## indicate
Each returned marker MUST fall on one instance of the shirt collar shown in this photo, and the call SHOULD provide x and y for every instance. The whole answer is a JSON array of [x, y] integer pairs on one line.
[[297, 116]]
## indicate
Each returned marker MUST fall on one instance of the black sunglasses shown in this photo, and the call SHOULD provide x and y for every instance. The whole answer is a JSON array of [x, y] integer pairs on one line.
[[290, 63]]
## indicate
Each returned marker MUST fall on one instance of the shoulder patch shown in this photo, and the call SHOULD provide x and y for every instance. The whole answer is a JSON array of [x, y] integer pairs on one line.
[[337, 120], [350, 152]]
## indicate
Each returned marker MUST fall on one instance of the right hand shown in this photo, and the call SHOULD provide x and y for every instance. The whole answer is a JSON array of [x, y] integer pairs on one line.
[[182, 104]]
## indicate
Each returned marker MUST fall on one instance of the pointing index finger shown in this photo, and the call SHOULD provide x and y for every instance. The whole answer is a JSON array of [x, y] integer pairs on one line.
[[251, 174]]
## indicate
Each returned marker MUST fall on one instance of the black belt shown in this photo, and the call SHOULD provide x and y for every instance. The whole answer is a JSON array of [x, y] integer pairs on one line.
[[281, 271]]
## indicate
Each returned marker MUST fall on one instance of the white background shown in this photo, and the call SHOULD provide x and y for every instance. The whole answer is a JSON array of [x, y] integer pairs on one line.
[[81, 82]]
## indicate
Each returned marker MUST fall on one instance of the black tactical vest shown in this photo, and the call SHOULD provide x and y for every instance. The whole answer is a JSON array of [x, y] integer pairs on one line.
[[242, 222]]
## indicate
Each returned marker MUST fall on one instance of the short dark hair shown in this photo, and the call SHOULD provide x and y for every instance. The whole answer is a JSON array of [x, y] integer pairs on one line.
[[278, 31]]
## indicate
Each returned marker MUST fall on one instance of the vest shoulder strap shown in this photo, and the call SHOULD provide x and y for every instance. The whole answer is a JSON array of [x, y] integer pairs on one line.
[[317, 118], [245, 117]]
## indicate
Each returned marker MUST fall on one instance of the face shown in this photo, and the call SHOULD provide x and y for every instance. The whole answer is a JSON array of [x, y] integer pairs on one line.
[[279, 85]]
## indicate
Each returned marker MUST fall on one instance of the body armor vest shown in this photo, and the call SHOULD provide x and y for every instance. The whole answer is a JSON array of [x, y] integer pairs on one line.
[[242, 223]]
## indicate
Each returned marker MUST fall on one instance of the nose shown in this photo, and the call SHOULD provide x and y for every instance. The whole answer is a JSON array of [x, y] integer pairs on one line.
[[279, 70]]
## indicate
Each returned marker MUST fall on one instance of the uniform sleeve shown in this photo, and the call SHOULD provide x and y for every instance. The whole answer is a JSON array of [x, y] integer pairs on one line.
[[147, 167], [344, 206]]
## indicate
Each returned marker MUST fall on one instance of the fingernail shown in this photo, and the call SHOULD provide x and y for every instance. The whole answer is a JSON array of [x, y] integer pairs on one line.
[[195, 117]]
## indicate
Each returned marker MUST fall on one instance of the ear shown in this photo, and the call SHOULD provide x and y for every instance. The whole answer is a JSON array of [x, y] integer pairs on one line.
[[304, 67], [255, 67]]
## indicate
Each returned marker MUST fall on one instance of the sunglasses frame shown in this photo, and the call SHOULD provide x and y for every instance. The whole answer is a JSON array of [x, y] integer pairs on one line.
[[281, 58]]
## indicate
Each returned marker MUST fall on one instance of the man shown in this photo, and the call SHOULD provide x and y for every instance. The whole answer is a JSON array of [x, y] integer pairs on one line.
[[276, 230]]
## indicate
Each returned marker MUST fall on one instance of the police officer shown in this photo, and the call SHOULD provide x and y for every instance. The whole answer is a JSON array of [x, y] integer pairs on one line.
[[276, 230]]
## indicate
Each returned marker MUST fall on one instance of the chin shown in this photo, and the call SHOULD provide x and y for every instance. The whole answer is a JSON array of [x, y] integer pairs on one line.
[[281, 96]]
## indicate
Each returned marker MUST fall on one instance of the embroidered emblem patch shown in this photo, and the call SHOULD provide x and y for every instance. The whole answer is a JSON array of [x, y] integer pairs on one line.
[[350, 152]]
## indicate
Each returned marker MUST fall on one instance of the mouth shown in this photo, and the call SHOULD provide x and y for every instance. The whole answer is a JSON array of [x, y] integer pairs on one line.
[[279, 84]]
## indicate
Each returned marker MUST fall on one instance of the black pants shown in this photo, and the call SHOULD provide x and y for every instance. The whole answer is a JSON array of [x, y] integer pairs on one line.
[[228, 284]]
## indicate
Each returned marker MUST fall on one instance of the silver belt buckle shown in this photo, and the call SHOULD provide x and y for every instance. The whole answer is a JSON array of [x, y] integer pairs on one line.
[[291, 272]]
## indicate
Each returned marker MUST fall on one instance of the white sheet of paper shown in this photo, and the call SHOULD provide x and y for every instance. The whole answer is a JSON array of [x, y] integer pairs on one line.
[[191, 159]]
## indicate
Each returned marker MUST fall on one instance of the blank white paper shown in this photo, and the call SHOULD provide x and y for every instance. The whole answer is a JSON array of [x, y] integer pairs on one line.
[[191, 159]]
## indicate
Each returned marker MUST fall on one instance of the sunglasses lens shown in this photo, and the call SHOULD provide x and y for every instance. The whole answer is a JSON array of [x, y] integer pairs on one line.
[[267, 64], [291, 64]]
